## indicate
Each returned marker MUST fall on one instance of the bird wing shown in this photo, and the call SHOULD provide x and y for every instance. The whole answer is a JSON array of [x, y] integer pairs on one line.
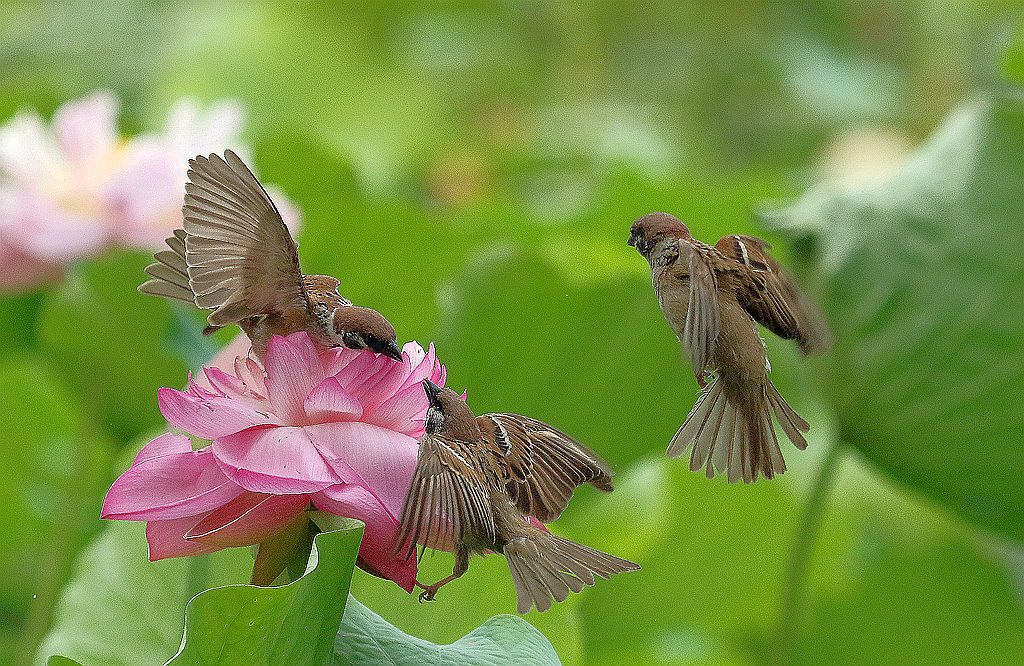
[[544, 465], [241, 259], [169, 272], [448, 499], [771, 296], [703, 320]]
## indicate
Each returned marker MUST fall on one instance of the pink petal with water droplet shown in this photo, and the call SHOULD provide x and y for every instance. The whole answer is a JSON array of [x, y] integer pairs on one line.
[[423, 369], [413, 352]]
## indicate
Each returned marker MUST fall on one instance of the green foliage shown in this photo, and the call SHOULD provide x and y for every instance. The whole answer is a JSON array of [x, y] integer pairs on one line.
[[122, 609], [1013, 57], [471, 170], [291, 624], [53, 472], [365, 638], [112, 343], [923, 280]]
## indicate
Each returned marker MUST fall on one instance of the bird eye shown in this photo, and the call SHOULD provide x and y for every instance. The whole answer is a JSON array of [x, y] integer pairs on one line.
[[353, 340]]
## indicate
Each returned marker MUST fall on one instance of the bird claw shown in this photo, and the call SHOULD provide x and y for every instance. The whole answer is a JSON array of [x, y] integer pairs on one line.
[[428, 593]]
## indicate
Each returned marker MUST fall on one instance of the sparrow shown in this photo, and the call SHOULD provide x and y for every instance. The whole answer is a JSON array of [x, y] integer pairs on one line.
[[234, 256], [713, 297], [477, 482]]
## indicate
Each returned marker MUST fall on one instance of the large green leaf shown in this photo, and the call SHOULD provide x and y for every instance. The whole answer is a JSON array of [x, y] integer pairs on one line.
[[898, 580], [122, 609], [924, 281], [292, 624], [462, 605], [1013, 56], [366, 638], [885, 572], [710, 553]]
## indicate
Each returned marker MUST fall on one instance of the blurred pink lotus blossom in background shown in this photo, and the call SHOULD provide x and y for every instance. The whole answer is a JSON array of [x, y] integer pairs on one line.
[[75, 188], [335, 427]]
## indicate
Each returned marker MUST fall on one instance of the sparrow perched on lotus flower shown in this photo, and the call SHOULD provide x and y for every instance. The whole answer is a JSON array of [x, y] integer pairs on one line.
[[481, 485], [714, 297], [234, 256]]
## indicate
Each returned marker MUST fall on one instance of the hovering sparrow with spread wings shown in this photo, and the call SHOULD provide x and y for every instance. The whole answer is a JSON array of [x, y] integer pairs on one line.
[[477, 480], [712, 297], [235, 256]]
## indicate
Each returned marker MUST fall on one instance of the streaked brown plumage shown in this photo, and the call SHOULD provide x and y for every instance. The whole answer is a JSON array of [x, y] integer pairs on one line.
[[478, 479], [235, 256], [712, 297]]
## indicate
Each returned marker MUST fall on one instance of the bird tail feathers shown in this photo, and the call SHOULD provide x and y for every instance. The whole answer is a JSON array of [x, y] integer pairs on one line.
[[740, 442], [546, 568]]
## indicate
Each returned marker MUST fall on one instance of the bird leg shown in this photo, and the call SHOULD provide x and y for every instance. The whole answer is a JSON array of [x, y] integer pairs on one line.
[[461, 566], [701, 382], [430, 590]]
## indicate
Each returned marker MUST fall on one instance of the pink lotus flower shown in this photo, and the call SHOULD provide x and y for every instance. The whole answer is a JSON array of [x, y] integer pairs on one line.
[[335, 427], [76, 188]]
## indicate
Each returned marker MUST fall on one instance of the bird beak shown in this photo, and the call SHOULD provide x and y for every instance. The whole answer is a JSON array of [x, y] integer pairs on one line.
[[391, 350], [632, 239], [432, 390]]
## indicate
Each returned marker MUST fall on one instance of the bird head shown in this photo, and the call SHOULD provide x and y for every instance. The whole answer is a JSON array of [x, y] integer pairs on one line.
[[448, 413], [652, 228], [363, 328]]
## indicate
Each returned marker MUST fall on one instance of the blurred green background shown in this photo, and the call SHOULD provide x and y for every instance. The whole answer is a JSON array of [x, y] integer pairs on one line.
[[471, 170]]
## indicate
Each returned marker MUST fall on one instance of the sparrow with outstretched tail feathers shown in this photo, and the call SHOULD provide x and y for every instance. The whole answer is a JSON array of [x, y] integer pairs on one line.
[[712, 297], [235, 256], [476, 482]]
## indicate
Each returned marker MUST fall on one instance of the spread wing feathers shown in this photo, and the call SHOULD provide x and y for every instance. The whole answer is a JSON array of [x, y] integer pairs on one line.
[[242, 261], [544, 465], [169, 273], [771, 296], [702, 317], [448, 497]]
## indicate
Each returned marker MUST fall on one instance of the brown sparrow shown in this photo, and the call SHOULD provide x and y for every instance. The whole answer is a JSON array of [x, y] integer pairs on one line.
[[235, 256], [477, 482], [712, 297]]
